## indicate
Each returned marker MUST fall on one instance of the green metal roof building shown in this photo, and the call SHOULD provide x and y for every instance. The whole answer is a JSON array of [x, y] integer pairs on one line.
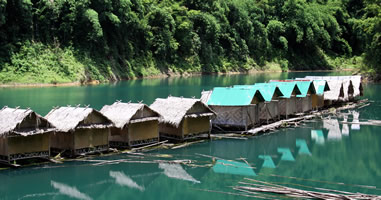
[[235, 107]]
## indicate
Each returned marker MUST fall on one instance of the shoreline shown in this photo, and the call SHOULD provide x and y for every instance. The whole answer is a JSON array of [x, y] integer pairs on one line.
[[158, 76]]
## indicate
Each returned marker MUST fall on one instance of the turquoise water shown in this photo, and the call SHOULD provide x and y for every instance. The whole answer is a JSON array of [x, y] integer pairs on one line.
[[320, 153]]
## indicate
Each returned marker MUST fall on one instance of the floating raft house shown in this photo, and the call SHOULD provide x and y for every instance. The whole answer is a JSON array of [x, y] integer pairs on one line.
[[321, 86], [78, 130], [269, 108], [235, 107], [287, 102], [307, 89], [355, 80], [182, 118], [23, 134], [351, 87], [134, 124]]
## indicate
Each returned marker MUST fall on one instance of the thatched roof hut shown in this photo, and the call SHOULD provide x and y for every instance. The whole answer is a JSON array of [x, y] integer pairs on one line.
[[67, 119], [174, 109], [80, 130], [182, 117], [13, 122], [336, 90], [205, 96], [135, 124], [122, 114], [354, 86], [23, 134]]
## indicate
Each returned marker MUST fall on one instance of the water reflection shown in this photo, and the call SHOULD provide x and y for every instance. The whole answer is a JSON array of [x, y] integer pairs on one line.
[[333, 126], [123, 180], [286, 154], [303, 147], [177, 172], [345, 128], [318, 136], [69, 191], [267, 161], [356, 116], [233, 167]]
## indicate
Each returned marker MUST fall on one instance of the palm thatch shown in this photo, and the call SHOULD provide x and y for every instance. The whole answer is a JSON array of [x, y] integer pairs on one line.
[[174, 109], [122, 114], [12, 119], [336, 92], [355, 81], [66, 119], [205, 96]]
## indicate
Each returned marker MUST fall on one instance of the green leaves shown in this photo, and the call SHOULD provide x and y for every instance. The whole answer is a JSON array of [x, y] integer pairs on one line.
[[92, 17]]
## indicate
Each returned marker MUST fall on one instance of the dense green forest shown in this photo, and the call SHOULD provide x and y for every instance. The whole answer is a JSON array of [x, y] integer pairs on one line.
[[54, 41]]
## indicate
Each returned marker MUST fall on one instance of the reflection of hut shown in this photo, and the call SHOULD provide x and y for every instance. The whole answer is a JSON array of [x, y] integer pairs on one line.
[[233, 167], [303, 147], [79, 130], [345, 128], [317, 136], [307, 89], [286, 154], [287, 102], [269, 108], [334, 132], [134, 124], [182, 118], [23, 134], [236, 107], [355, 125]]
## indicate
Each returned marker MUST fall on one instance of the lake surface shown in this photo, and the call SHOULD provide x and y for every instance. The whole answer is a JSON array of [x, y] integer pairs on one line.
[[321, 153]]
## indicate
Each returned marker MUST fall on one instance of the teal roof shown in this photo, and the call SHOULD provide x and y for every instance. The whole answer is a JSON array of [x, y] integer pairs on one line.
[[304, 86], [303, 147], [233, 167], [267, 161], [287, 88], [267, 90], [225, 96], [286, 154], [321, 86]]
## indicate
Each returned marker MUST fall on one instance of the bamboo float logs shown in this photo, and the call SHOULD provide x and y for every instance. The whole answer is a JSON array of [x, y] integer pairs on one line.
[[268, 187], [296, 120]]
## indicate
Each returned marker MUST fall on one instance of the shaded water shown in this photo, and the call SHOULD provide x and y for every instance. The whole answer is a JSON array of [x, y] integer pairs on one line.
[[321, 153]]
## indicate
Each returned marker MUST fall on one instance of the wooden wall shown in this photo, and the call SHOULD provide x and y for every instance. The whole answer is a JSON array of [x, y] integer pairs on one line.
[[28, 144], [196, 125], [143, 130], [4, 146], [61, 140], [84, 138]]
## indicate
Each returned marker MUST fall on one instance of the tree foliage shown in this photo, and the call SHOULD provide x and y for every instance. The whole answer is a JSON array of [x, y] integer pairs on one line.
[[125, 36]]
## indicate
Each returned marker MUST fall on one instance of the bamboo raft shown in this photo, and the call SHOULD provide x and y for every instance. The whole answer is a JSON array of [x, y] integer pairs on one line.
[[259, 187]]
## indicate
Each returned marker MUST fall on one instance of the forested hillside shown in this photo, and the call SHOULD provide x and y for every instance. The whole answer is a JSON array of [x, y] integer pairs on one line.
[[53, 41]]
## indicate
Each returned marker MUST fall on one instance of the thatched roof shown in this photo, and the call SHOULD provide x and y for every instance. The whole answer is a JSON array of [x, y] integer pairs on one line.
[[355, 81], [69, 118], [336, 90], [174, 109], [121, 113], [12, 118], [205, 96]]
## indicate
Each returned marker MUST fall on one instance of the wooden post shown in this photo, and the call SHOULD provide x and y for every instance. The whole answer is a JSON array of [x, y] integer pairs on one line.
[[128, 136], [210, 128]]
